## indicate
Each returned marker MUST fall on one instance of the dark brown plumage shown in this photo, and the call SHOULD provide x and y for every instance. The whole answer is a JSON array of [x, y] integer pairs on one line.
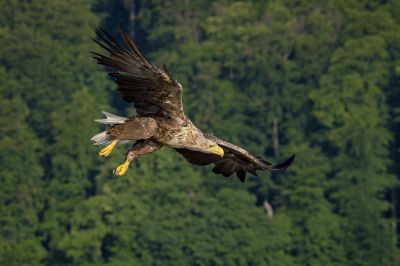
[[235, 160], [153, 91], [160, 120]]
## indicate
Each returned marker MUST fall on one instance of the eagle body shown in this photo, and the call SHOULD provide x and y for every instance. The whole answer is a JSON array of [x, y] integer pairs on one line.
[[160, 119], [166, 131]]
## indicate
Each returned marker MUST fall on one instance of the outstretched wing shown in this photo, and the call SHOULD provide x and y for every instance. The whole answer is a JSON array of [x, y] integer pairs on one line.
[[153, 91], [236, 160]]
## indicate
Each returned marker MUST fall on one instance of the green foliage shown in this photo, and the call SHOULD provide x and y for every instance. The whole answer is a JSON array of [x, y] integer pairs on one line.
[[41, 46], [350, 105], [72, 180], [319, 79], [21, 193]]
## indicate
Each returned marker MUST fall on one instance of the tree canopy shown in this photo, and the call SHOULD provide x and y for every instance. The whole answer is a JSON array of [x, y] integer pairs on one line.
[[315, 78]]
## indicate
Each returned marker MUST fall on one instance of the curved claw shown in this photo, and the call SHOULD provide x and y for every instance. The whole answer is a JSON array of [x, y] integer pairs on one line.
[[121, 170], [108, 149]]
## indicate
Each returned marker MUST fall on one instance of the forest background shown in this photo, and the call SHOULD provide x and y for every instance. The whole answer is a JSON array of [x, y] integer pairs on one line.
[[316, 78]]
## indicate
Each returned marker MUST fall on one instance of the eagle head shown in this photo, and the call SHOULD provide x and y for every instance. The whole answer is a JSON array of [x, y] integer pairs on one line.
[[210, 146], [216, 150]]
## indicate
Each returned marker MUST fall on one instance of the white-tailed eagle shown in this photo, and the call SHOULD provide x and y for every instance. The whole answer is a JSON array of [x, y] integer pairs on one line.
[[160, 120]]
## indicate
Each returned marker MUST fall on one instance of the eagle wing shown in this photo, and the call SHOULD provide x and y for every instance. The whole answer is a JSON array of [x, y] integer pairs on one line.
[[153, 91], [236, 160]]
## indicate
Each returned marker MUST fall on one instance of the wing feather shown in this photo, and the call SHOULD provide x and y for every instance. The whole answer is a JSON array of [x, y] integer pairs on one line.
[[236, 160], [153, 91]]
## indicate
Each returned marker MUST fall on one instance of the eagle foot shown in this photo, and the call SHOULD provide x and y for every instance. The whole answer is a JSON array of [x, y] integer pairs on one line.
[[121, 170], [108, 149]]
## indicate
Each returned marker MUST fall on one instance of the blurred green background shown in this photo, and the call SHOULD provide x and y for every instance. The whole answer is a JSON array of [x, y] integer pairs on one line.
[[316, 78]]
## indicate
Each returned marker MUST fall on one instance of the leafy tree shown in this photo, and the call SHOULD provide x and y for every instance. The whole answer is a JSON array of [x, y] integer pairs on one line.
[[43, 52], [45, 55], [350, 105], [73, 168], [21, 192]]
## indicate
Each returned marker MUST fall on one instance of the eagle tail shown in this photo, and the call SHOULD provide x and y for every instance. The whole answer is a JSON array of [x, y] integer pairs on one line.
[[111, 119], [104, 138]]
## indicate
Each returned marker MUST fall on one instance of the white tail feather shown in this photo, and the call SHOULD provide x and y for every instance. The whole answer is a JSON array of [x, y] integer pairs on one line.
[[104, 138], [111, 119]]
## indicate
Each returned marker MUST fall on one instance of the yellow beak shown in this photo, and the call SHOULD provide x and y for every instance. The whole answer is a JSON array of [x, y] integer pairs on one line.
[[217, 150]]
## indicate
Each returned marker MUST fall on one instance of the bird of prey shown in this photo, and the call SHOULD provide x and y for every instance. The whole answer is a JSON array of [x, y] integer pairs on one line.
[[160, 119]]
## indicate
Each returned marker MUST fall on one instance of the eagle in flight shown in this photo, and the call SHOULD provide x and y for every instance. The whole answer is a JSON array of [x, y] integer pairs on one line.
[[160, 120]]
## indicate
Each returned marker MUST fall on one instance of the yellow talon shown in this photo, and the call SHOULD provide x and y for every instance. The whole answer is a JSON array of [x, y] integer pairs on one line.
[[108, 149], [121, 170]]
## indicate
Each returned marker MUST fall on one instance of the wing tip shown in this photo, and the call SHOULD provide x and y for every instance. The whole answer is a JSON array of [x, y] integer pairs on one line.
[[285, 164]]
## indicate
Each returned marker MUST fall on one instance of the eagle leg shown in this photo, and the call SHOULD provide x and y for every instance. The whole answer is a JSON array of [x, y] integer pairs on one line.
[[139, 148], [108, 149]]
